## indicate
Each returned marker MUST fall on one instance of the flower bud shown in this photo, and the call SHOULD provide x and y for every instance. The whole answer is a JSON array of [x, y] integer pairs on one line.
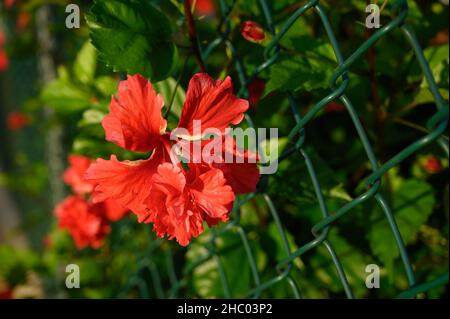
[[252, 32], [433, 165]]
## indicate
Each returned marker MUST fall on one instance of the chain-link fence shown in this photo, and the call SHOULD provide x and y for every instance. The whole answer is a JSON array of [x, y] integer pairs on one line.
[[338, 85]]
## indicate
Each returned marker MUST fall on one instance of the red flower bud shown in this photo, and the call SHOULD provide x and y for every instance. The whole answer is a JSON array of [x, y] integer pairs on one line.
[[252, 32], [433, 165], [255, 91], [205, 8], [17, 120]]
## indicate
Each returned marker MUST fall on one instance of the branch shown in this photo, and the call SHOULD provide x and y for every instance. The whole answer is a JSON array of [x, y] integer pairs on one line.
[[193, 35]]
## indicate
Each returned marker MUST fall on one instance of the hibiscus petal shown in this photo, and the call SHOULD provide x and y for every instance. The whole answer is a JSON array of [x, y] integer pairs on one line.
[[186, 228], [113, 211], [167, 193], [135, 121], [171, 209], [214, 221], [83, 220], [126, 182], [237, 164], [212, 194], [170, 180], [157, 214], [74, 175], [243, 178], [213, 103], [241, 173]]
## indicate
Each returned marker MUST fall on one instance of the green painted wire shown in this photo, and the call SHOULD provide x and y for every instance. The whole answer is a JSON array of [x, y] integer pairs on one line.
[[338, 84], [437, 282], [216, 258]]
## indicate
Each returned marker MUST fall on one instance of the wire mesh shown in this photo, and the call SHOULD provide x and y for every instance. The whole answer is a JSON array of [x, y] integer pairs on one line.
[[338, 85]]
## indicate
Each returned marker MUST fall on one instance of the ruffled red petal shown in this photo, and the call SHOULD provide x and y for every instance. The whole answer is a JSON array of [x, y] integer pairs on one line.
[[135, 121], [113, 211], [127, 182], [238, 165], [212, 194], [180, 201], [241, 173], [211, 102], [83, 220], [74, 175]]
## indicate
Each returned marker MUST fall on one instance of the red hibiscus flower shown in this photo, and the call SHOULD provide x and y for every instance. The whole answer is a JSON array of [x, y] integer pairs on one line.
[[87, 222], [252, 32], [17, 120], [159, 187], [84, 220], [73, 176]]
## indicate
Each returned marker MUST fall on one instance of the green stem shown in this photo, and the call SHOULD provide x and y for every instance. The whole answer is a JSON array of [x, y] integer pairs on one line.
[[174, 94]]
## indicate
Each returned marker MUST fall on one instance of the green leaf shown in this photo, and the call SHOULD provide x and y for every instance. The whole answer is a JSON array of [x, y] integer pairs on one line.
[[178, 5], [298, 74], [295, 172], [310, 46], [413, 203], [65, 97], [425, 96], [249, 6], [106, 85], [438, 59], [16, 264], [133, 37], [92, 117], [86, 63], [280, 251], [340, 193], [63, 73], [352, 259], [89, 147], [206, 280]]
